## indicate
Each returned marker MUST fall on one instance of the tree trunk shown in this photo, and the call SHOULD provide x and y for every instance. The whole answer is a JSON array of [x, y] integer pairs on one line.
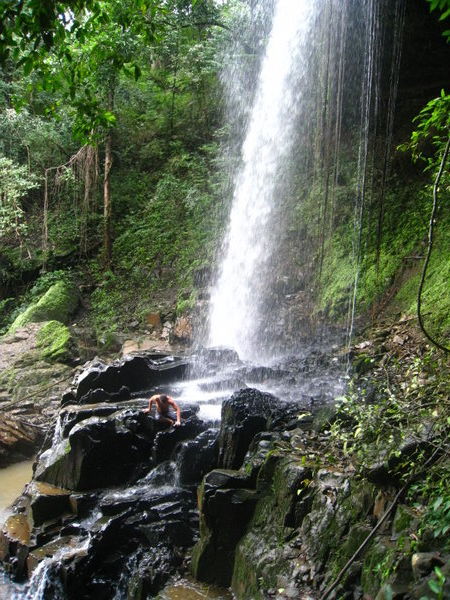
[[107, 202]]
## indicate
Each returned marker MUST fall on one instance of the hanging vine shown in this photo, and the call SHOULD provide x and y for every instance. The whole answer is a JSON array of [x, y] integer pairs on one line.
[[83, 166], [430, 248]]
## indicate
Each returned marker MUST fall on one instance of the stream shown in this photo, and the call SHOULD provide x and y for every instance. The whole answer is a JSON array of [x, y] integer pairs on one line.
[[12, 482]]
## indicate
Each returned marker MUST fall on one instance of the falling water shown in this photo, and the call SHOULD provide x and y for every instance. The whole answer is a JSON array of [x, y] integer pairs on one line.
[[312, 122], [266, 146]]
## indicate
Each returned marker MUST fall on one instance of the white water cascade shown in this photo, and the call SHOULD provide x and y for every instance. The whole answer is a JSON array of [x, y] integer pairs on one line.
[[234, 303]]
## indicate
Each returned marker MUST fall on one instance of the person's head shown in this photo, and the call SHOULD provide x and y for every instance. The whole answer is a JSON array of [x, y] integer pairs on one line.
[[164, 398]]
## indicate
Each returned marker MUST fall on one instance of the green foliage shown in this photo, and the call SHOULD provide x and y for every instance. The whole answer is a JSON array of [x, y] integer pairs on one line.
[[6, 306], [46, 281], [438, 516], [161, 241], [443, 6], [411, 400], [53, 341], [15, 183], [404, 229], [437, 585], [43, 24], [433, 124], [431, 498]]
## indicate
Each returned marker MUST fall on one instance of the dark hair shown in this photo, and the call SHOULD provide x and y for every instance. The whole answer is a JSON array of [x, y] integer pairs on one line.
[[163, 397]]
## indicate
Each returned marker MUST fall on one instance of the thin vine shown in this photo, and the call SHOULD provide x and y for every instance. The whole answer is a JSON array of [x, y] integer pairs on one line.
[[430, 248]]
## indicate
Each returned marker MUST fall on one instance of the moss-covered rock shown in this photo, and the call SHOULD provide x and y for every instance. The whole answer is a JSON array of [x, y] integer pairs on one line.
[[54, 341], [58, 303], [263, 556]]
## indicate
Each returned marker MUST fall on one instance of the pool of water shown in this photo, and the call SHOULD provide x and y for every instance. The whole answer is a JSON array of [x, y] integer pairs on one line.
[[12, 482]]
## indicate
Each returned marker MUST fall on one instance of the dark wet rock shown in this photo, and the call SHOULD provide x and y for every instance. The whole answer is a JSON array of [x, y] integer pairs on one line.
[[74, 414], [99, 452], [224, 515], [168, 522], [152, 572], [167, 441], [47, 502], [83, 504], [227, 479], [197, 457], [144, 500], [262, 374], [244, 415], [101, 395], [137, 373], [213, 359]]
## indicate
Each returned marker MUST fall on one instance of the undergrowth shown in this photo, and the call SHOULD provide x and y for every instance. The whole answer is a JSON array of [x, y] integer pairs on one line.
[[397, 415]]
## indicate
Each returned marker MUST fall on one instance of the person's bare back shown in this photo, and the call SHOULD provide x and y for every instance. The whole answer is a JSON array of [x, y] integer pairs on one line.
[[167, 410]]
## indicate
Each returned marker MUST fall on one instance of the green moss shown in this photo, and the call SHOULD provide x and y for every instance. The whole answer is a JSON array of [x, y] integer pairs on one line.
[[338, 277], [7, 377], [53, 340], [402, 520], [386, 265], [58, 303], [435, 297], [379, 564]]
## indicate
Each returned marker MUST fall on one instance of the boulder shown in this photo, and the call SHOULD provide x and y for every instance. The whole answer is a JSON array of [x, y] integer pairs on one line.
[[99, 452], [47, 502], [244, 415], [136, 373], [71, 415], [197, 457], [167, 440], [57, 304], [55, 342], [226, 507], [152, 572]]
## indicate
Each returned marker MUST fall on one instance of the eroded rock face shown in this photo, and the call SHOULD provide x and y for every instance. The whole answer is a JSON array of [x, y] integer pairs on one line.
[[18, 440], [90, 504], [226, 505], [108, 450]]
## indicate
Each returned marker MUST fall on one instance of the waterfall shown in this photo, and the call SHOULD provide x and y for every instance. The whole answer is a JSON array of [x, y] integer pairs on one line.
[[307, 162], [235, 301]]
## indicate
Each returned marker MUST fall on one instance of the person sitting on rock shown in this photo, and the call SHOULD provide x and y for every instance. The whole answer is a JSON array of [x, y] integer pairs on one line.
[[167, 410]]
